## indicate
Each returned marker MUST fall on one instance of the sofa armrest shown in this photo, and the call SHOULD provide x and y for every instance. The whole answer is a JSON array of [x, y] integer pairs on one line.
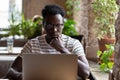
[[4, 66]]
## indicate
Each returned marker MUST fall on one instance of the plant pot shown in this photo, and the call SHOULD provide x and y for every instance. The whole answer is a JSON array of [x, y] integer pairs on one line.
[[102, 47], [104, 41]]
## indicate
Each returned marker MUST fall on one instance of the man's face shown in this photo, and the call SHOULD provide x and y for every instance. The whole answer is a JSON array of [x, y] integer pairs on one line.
[[53, 25]]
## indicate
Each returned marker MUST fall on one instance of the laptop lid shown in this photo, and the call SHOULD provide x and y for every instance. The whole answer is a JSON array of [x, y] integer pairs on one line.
[[49, 67]]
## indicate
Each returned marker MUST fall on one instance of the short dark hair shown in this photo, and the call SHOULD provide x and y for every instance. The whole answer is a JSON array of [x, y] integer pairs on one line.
[[52, 10]]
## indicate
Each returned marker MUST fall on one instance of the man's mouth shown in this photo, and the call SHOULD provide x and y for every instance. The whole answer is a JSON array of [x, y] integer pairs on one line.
[[54, 35]]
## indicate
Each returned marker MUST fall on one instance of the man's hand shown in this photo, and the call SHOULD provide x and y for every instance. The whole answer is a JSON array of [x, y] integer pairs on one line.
[[57, 43]]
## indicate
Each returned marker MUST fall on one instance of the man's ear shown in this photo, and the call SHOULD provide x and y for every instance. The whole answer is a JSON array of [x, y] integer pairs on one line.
[[43, 28], [43, 23]]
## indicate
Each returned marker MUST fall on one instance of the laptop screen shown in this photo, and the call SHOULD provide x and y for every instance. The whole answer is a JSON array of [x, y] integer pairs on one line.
[[49, 67]]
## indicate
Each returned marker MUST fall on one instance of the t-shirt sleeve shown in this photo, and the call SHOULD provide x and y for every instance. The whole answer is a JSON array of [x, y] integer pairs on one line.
[[78, 48]]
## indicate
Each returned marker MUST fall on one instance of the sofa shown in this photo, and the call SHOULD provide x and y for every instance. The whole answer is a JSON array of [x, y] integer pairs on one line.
[[4, 66], [5, 63], [7, 60]]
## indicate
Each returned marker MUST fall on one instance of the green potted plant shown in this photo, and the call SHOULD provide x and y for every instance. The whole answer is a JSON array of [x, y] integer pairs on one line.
[[28, 28], [69, 27], [105, 15], [70, 30], [106, 58], [105, 12], [72, 6]]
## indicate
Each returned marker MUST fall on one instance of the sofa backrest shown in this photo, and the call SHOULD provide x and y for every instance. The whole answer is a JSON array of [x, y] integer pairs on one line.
[[17, 43]]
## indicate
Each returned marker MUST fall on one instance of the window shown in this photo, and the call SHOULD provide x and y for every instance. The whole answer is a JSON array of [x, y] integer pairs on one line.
[[6, 7]]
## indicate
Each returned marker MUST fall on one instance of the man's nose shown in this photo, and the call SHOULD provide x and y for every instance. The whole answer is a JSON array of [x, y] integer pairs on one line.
[[55, 28]]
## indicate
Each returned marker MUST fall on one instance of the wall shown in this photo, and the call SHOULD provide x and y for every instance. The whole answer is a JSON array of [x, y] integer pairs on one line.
[[33, 7], [87, 27]]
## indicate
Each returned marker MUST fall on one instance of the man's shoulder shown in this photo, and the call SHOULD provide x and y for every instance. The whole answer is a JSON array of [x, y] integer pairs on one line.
[[36, 39], [68, 37]]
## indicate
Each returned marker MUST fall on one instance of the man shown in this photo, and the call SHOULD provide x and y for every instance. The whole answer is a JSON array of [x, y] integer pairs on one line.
[[53, 42]]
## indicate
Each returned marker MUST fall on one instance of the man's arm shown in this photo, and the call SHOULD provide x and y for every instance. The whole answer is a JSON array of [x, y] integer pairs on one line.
[[15, 71], [57, 43], [83, 67]]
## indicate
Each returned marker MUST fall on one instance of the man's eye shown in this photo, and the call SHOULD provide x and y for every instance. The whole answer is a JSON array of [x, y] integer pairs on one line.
[[59, 25], [49, 26]]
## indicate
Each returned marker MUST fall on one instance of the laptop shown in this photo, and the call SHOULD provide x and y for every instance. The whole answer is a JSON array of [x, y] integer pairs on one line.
[[50, 67]]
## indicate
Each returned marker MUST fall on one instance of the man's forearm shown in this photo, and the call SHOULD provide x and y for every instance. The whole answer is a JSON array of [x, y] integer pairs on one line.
[[65, 51], [83, 69]]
